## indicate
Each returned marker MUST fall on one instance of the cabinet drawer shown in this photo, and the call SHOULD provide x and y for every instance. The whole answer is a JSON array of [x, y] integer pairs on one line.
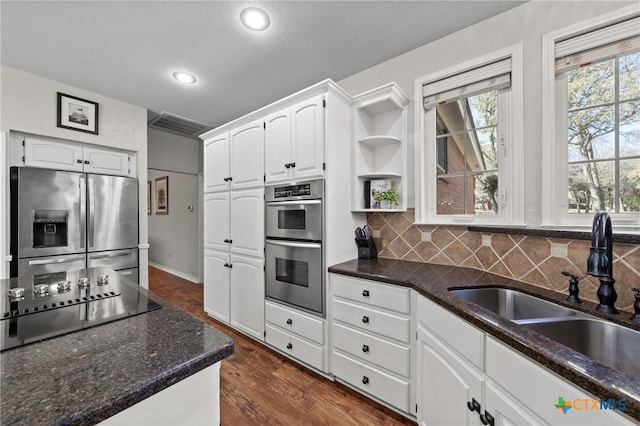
[[364, 291], [459, 334], [389, 389], [296, 347], [295, 322], [378, 351], [382, 323]]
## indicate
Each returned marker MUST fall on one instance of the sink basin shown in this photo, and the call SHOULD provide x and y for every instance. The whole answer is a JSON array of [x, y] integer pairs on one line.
[[608, 343], [512, 304]]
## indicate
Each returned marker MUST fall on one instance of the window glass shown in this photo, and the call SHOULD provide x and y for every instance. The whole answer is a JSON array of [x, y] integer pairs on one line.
[[603, 130], [467, 155]]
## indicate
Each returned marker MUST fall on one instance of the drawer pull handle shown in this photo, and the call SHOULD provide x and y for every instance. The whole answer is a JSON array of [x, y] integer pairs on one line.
[[365, 293], [365, 348], [365, 319], [473, 405], [365, 380], [289, 346], [289, 321]]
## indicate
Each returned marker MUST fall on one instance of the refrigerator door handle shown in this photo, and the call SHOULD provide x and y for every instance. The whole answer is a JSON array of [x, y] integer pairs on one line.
[[50, 261], [83, 211], [108, 255], [92, 212]]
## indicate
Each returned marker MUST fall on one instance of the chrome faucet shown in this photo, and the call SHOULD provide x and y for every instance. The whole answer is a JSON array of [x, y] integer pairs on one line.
[[600, 262]]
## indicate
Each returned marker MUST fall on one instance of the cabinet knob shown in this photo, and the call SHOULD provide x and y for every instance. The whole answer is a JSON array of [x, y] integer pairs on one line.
[[79, 161], [365, 348], [293, 164], [473, 405], [289, 321], [487, 419], [287, 166], [226, 240], [365, 380], [365, 319], [365, 293], [289, 346], [228, 265], [87, 162]]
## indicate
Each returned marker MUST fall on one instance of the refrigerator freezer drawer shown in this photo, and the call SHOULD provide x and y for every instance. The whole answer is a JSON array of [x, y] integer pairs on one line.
[[47, 265], [115, 259]]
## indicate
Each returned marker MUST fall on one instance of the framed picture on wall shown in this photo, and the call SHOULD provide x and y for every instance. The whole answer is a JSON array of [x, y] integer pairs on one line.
[[77, 114], [149, 198], [162, 195]]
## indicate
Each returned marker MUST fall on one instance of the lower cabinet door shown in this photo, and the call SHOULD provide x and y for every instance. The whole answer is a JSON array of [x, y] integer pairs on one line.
[[505, 410], [216, 284], [246, 293], [392, 390], [447, 386], [298, 348]]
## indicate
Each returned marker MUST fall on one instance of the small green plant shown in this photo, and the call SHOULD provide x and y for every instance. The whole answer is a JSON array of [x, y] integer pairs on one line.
[[391, 195]]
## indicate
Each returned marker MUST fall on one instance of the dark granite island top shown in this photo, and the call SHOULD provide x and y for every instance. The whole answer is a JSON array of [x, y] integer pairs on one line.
[[87, 376], [433, 281]]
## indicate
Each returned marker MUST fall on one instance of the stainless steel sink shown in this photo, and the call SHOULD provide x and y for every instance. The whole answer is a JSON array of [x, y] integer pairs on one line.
[[512, 304], [608, 343]]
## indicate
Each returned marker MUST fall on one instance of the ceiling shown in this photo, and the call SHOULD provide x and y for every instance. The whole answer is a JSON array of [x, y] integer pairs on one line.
[[128, 50]]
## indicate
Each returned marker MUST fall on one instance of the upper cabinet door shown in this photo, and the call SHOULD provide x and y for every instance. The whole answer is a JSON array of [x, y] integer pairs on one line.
[[216, 163], [106, 162], [308, 138], [52, 155], [277, 143], [247, 155]]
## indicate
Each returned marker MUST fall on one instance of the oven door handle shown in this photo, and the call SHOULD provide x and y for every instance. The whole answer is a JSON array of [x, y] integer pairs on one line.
[[294, 244], [293, 203]]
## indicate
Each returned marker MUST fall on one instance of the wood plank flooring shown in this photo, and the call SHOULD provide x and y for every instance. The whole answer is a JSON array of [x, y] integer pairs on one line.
[[260, 387]]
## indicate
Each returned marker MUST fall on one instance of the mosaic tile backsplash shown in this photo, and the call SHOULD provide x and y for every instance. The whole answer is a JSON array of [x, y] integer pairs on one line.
[[535, 260]]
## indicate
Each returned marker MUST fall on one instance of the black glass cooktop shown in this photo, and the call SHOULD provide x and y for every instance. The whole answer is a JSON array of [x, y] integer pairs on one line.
[[45, 306]]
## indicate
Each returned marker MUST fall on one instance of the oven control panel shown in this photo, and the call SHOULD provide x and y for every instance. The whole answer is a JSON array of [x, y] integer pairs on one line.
[[310, 190], [301, 190]]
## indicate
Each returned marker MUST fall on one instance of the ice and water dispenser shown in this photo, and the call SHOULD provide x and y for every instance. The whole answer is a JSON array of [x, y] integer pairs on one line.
[[49, 228]]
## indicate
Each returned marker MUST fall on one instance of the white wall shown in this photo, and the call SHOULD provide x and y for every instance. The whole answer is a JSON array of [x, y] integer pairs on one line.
[[524, 24], [28, 104], [176, 239]]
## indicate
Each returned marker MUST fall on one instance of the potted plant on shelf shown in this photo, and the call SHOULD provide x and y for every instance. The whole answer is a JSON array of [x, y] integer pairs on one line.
[[386, 199]]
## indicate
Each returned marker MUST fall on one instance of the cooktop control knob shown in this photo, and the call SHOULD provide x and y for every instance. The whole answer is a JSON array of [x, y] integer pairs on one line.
[[64, 286], [41, 289], [83, 282], [16, 293], [103, 279]]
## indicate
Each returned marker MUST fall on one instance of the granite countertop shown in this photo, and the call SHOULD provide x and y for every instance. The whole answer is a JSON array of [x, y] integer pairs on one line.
[[433, 282], [87, 376]]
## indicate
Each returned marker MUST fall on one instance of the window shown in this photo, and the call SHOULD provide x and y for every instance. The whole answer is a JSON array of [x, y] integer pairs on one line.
[[467, 161], [595, 145]]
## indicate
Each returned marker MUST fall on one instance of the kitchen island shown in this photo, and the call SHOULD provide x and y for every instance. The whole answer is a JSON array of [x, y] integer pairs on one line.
[[140, 368]]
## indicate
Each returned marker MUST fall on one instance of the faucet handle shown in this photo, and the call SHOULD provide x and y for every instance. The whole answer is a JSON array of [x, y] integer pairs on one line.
[[636, 306], [573, 287]]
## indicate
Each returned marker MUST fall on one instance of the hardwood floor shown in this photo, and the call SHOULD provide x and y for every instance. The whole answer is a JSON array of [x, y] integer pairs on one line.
[[260, 387]]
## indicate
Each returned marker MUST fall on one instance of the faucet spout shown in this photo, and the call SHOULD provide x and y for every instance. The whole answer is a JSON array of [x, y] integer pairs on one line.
[[600, 261]]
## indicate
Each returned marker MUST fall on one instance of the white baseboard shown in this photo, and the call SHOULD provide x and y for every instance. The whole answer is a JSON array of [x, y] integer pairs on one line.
[[187, 277]]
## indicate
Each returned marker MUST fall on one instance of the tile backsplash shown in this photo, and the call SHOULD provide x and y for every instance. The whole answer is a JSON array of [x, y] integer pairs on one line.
[[532, 259]]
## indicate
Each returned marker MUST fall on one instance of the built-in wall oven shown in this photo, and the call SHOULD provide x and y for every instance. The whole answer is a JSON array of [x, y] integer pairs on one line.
[[294, 255]]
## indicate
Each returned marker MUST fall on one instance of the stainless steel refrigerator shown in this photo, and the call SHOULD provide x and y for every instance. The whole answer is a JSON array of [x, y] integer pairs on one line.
[[66, 220]]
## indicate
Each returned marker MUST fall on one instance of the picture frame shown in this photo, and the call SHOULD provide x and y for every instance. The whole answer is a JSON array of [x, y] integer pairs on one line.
[[77, 114], [149, 198], [162, 195]]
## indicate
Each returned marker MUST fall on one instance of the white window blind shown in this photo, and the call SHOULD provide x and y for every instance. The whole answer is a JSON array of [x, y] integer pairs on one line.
[[496, 75], [622, 47]]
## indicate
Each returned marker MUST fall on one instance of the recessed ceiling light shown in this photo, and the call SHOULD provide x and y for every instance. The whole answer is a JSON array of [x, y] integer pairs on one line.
[[255, 19], [184, 77]]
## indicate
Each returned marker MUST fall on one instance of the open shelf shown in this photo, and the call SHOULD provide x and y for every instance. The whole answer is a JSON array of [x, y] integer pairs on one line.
[[380, 175], [377, 141]]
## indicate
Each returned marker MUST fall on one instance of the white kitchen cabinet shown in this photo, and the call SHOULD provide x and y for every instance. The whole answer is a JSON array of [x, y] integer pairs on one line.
[[296, 334], [246, 144], [294, 141], [216, 163], [370, 338], [216, 284], [246, 295], [234, 291], [216, 220], [77, 157], [380, 143]]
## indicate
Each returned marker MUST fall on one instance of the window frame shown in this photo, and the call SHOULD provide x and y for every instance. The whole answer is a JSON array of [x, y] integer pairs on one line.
[[510, 170], [555, 165]]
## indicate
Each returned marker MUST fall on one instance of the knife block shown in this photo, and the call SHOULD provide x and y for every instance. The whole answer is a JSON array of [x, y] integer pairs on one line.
[[366, 248]]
